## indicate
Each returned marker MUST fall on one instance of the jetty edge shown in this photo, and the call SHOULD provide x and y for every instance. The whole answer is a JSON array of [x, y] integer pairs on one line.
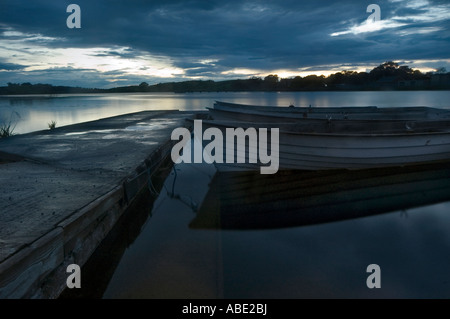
[[64, 189]]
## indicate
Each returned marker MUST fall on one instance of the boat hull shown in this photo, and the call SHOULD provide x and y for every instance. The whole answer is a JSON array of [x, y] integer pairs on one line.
[[283, 114], [319, 151], [411, 123], [418, 112]]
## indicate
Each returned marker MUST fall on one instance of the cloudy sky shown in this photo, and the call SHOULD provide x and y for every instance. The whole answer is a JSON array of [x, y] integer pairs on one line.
[[127, 42]]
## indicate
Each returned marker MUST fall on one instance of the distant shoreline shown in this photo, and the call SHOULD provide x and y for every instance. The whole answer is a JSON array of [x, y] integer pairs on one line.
[[187, 87], [75, 90], [388, 76]]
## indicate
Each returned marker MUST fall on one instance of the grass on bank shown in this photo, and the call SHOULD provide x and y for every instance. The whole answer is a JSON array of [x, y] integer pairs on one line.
[[6, 130], [52, 125]]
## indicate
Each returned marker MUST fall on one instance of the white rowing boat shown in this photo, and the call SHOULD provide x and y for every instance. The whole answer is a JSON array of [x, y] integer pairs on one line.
[[339, 149], [245, 113]]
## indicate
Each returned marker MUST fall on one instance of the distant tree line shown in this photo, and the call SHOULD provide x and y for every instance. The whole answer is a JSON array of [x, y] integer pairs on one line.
[[387, 76], [28, 88]]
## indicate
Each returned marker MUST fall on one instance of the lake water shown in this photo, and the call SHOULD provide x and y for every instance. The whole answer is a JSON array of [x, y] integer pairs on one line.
[[195, 236], [162, 251], [32, 113]]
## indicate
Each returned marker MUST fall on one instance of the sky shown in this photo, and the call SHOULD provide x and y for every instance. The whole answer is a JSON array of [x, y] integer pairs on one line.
[[128, 42]]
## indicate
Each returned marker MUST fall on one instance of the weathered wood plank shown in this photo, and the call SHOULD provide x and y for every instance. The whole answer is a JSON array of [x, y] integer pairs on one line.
[[88, 216], [23, 271]]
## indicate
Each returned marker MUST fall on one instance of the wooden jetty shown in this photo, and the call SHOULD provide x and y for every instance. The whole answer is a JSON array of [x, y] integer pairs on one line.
[[64, 189]]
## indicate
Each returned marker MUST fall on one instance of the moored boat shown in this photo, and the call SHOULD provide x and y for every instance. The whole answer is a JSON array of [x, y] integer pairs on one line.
[[241, 112], [322, 149]]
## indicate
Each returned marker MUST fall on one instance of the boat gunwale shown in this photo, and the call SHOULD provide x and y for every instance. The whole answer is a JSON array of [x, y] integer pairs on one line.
[[296, 117], [299, 109], [214, 123]]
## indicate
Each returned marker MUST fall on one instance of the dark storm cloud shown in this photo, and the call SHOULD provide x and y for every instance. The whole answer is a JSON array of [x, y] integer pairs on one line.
[[10, 66], [64, 76], [125, 53], [264, 35]]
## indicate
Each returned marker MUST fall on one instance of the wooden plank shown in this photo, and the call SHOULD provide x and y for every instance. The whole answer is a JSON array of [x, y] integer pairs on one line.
[[23, 272], [134, 185], [85, 217]]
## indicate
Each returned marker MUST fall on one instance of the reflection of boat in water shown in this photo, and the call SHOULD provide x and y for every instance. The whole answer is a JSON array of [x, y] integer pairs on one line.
[[249, 200]]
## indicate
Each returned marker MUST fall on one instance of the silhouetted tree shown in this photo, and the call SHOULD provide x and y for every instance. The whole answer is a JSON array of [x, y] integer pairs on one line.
[[271, 82]]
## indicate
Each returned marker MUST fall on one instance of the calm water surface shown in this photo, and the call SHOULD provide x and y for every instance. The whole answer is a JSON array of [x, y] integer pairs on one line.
[[162, 252], [169, 255], [32, 113], [171, 258]]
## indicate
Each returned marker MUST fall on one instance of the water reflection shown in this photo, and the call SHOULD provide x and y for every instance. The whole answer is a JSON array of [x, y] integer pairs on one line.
[[292, 235], [249, 200], [37, 111]]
